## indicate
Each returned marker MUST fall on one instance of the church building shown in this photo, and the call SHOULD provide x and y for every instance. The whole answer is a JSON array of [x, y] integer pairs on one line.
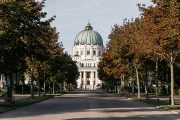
[[87, 52]]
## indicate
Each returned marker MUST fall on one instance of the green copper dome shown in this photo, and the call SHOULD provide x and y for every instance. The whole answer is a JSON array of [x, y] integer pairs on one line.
[[88, 37]]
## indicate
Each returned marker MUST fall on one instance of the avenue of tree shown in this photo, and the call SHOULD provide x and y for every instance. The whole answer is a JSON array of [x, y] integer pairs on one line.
[[29, 46], [143, 53]]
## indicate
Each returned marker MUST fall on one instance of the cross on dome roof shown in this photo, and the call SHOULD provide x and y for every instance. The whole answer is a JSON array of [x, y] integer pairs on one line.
[[88, 26]]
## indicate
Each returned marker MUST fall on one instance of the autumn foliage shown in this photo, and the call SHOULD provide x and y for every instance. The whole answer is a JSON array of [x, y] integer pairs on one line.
[[29, 45], [136, 45]]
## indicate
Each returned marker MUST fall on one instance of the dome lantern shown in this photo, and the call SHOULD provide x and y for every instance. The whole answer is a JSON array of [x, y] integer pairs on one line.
[[88, 27]]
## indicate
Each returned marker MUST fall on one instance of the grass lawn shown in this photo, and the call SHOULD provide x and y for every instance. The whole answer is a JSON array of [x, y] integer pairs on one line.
[[22, 102], [159, 104], [178, 110], [151, 101]]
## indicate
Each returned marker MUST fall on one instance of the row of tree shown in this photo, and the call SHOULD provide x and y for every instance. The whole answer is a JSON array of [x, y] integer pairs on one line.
[[140, 46], [29, 45]]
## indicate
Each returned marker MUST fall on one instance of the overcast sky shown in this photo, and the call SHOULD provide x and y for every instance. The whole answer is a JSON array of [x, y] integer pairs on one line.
[[73, 15]]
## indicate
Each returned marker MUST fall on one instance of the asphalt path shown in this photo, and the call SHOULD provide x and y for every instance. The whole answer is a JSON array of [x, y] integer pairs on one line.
[[89, 105]]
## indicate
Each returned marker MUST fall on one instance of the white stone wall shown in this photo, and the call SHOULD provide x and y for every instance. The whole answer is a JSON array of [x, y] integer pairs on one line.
[[88, 63]]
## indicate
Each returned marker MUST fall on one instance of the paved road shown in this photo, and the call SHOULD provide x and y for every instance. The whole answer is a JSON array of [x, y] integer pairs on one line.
[[88, 105]]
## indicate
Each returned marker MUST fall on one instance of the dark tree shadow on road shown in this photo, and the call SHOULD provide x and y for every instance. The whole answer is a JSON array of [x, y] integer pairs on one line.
[[85, 101], [143, 117]]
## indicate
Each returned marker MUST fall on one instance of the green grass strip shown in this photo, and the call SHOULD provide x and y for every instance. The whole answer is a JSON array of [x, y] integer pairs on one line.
[[152, 102], [159, 104], [22, 102]]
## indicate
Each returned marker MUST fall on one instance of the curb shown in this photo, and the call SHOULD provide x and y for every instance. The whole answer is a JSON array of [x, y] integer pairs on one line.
[[174, 112], [166, 108]]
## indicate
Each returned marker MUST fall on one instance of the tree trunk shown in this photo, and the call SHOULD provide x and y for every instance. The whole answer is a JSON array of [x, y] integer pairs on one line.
[[146, 83], [22, 92], [32, 85], [44, 88], [138, 83], [9, 84], [122, 85], [132, 87], [32, 78], [11, 87], [39, 92], [49, 89], [118, 87], [53, 87], [157, 82], [172, 80]]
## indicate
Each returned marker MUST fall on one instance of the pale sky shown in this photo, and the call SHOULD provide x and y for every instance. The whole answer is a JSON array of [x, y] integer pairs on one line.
[[73, 15]]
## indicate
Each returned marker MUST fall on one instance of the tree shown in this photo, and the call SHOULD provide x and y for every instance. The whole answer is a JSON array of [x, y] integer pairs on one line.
[[103, 75], [72, 71], [162, 25], [11, 46], [121, 50], [23, 35]]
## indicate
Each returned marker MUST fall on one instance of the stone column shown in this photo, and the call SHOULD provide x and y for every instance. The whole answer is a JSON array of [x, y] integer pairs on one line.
[[96, 78], [85, 52], [91, 51], [97, 51], [85, 82], [80, 79], [92, 80]]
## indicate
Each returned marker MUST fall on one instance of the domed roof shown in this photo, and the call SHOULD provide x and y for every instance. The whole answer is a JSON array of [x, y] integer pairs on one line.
[[88, 37]]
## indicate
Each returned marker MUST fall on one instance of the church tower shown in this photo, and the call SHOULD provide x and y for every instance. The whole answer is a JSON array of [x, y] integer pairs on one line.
[[87, 52]]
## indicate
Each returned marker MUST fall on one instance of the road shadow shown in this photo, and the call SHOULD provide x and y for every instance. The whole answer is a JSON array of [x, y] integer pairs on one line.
[[86, 101], [137, 117]]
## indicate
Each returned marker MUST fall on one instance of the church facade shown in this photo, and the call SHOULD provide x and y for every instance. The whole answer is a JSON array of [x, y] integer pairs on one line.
[[87, 52]]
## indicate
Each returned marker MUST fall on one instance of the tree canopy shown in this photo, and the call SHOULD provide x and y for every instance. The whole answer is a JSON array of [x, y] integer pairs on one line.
[[29, 43], [136, 45]]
